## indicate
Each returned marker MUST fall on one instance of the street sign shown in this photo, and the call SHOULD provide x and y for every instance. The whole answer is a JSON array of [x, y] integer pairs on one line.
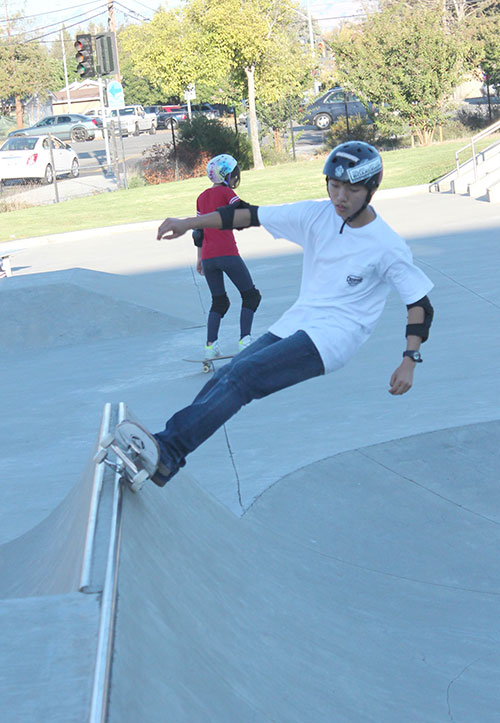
[[190, 92], [116, 97]]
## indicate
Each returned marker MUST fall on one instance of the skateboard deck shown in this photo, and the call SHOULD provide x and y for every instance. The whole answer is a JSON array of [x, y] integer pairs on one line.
[[136, 451], [208, 364]]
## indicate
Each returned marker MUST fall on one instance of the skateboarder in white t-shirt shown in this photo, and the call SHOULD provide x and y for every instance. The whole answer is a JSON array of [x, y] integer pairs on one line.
[[352, 259]]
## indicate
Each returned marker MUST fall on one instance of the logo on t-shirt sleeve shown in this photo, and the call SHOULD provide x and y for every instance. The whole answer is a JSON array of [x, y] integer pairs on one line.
[[354, 280]]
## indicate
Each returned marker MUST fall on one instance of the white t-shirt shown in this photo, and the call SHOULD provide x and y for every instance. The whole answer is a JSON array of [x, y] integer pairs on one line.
[[346, 277]]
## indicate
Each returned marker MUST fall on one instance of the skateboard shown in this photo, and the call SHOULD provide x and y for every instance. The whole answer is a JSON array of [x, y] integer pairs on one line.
[[136, 451], [208, 364]]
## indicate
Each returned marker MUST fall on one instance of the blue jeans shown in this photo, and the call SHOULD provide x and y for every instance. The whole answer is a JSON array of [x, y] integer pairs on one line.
[[264, 367]]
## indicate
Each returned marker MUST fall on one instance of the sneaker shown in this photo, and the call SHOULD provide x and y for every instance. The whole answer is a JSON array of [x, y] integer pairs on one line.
[[246, 341], [212, 351]]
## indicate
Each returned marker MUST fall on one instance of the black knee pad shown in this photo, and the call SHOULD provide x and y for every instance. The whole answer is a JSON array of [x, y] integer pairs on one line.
[[220, 304], [251, 299]]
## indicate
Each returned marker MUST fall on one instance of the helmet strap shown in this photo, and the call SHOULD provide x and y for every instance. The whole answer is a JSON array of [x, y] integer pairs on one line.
[[350, 219]]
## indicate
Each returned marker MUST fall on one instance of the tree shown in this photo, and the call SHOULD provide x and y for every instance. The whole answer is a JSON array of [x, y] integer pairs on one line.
[[248, 38], [407, 61], [25, 69], [159, 52], [488, 33]]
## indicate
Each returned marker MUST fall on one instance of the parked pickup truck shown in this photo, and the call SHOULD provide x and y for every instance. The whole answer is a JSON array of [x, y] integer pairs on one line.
[[134, 119]]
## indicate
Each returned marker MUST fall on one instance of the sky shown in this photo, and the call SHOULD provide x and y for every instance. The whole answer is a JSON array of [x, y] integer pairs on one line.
[[72, 13]]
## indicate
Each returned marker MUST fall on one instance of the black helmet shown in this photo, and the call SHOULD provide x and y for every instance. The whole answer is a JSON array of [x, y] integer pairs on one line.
[[355, 162]]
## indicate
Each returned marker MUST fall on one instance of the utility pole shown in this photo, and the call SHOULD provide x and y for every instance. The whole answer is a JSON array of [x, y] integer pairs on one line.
[[112, 29], [19, 106], [68, 97]]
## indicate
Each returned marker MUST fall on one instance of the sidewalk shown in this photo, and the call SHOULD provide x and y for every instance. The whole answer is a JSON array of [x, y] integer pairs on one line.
[[67, 188]]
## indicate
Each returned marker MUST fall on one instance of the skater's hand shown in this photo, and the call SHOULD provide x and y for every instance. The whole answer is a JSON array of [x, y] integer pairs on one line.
[[199, 267], [172, 228], [402, 379]]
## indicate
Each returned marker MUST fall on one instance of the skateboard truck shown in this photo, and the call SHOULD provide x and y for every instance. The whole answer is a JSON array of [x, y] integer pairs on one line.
[[126, 468]]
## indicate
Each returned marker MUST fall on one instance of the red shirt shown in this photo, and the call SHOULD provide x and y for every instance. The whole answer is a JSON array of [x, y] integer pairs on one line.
[[215, 241]]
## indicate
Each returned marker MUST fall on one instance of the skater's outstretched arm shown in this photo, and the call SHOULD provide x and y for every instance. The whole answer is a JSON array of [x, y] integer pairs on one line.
[[174, 227]]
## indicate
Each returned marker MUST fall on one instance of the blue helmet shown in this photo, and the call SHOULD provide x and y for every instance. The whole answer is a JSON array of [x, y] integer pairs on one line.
[[355, 162]]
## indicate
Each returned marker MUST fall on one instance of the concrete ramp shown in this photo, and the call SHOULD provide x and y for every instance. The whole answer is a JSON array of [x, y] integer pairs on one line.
[[40, 312], [52, 584], [363, 587], [47, 560]]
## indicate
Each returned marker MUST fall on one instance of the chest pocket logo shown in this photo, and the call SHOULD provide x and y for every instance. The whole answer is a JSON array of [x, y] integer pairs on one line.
[[354, 280]]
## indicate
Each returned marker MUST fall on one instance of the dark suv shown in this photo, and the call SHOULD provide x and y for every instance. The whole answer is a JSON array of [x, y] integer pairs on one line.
[[205, 109], [326, 109], [170, 115]]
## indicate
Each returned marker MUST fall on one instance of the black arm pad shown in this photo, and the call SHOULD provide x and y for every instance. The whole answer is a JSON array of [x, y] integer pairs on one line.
[[227, 214], [254, 217], [421, 330], [198, 237]]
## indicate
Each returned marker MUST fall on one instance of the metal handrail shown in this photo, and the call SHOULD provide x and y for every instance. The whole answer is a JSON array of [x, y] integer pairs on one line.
[[94, 507], [99, 701], [479, 136]]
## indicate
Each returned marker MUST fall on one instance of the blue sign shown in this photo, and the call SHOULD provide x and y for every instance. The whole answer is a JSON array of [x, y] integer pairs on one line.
[[116, 97]]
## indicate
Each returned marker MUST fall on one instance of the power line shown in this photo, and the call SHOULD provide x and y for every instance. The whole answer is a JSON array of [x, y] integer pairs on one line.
[[73, 25], [130, 11], [48, 12], [58, 23]]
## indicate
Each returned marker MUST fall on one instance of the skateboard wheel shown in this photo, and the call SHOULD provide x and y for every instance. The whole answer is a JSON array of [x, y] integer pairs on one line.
[[101, 456], [207, 367], [138, 480], [107, 440]]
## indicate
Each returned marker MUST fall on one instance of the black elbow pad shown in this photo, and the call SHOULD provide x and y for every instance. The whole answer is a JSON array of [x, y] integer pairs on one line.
[[227, 214], [421, 330], [254, 218]]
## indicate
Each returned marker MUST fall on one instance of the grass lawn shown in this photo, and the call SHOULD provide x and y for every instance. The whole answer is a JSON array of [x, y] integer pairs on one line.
[[275, 184]]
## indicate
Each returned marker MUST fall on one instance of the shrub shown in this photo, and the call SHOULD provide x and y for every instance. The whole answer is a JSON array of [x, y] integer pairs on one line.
[[358, 129], [197, 141], [362, 130], [477, 118], [162, 165], [212, 136], [136, 181]]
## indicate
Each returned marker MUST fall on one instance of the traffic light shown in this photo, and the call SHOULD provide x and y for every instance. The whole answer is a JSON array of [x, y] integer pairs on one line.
[[84, 56], [105, 47]]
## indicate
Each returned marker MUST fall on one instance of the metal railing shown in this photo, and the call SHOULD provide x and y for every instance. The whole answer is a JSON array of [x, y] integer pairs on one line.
[[472, 144], [99, 700]]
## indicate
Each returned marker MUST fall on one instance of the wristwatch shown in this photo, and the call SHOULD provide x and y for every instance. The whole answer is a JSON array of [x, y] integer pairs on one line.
[[415, 355]]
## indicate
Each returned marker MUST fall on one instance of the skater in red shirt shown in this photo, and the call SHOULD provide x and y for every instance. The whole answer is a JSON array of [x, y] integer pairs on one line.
[[218, 255]]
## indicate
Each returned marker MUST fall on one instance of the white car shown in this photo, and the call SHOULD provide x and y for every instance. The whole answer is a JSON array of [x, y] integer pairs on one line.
[[24, 157]]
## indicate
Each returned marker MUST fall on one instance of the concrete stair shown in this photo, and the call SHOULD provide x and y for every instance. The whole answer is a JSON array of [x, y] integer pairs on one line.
[[478, 178]]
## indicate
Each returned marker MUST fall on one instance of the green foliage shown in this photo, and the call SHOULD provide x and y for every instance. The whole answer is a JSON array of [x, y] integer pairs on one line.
[[210, 135], [358, 129], [138, 89], [136, 181], [276, 116], [25, 69], [407, 60], [361, 129], [488, 33]]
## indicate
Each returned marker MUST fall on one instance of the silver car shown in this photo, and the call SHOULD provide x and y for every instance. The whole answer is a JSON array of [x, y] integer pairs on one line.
[[72, 126]]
